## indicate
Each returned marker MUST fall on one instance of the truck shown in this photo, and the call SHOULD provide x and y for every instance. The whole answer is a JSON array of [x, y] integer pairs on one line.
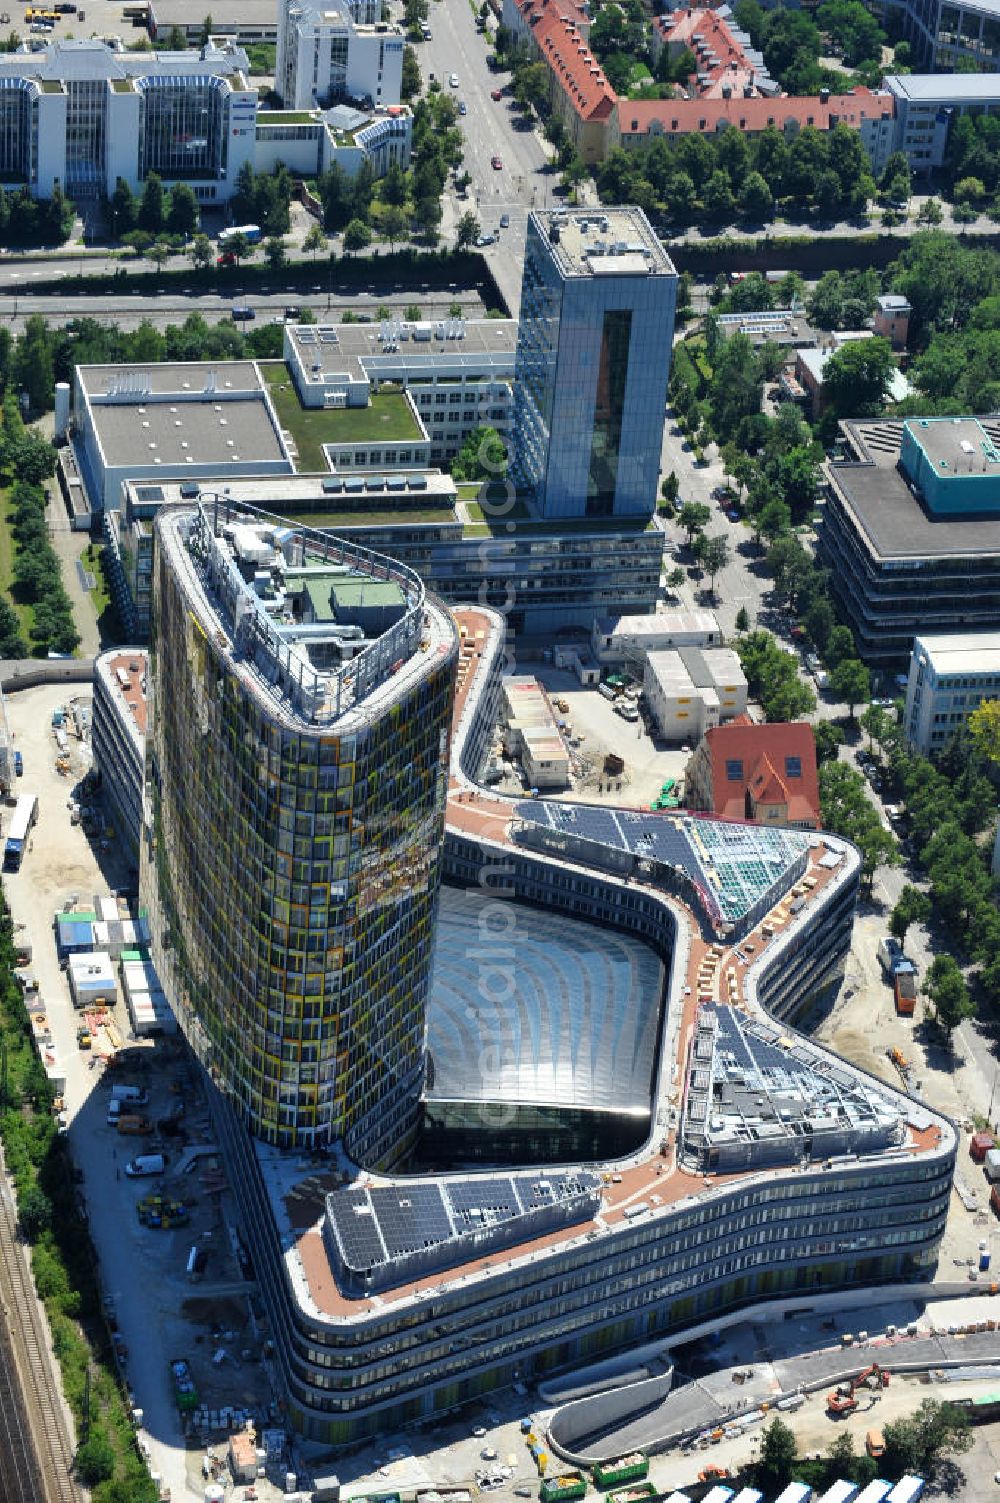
[[632, 1468], [131, 1095], [21, 825], [185, 1392], [890, 954], [905, 988], [991, 1165], [251, 233], [132, 1125], [145, 1164], [561, 1489]]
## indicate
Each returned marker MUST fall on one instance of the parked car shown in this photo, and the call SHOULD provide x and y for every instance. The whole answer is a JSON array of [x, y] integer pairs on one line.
[[496, 162], [18, 765], [453, 80], [488, 239], [505, 221], [496, 94], [463, 108]]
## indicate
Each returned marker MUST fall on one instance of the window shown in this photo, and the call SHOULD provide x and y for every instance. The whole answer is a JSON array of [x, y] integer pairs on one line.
[[734, 769], [793, 767]]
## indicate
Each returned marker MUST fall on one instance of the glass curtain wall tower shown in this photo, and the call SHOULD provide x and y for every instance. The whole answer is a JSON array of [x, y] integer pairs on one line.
[[598, 298], [296, 778]]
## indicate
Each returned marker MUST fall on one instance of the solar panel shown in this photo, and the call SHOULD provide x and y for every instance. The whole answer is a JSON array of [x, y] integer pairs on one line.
[[478, 1202], [410, 1217], [356, 1229]]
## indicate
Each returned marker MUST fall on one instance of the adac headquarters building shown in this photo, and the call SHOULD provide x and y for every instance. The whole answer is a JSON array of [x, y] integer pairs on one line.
[[296, 775]]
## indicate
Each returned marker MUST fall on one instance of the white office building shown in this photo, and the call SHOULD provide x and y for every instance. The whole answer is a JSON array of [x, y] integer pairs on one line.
[[337, 51], [82, 115], [925, 107], [691, 689], [949, 678], [456, 374]]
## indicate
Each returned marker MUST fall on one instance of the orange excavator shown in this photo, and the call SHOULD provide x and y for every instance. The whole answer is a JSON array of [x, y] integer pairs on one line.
[[843, 1400]]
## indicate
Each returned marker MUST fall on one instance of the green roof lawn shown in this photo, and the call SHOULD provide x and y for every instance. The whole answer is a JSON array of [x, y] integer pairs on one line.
[[341, 519], [387, 418]]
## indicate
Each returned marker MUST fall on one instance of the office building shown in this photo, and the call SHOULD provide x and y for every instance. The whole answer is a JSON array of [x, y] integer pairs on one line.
[[308, 142], [457, 373], [81, 115], [764, 773], [911, 532], [926, 106], [943, 34], [341, 50], [892, 318], [242, 21], [301, 689], [689, 689], [189, 422], [949, 678], [118, 737], [593, 357], [598, 1098], [547, 577]]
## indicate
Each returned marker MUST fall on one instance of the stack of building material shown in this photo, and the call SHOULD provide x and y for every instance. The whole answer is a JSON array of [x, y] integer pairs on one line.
[[147, 1005]]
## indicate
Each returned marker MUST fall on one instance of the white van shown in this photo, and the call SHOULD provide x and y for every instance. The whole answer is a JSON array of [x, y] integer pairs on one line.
[[132, 1095], [607, 691], [145, 1163], [114, 1112]]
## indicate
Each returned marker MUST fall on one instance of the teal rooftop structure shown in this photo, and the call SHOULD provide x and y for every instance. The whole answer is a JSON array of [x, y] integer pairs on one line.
[[954, 465]]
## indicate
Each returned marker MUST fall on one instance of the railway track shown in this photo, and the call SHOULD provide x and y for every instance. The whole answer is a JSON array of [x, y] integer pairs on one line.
[[36, 1456]]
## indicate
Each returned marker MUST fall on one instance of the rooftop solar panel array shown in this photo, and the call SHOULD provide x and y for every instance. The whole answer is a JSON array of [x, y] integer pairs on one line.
[[385, 1233]]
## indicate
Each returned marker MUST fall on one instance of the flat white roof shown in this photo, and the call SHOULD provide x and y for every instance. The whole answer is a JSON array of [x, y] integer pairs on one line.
[[968, 652], [949, 88]]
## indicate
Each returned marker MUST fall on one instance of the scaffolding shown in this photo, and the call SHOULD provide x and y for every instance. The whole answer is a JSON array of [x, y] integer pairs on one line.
[[6, 751]]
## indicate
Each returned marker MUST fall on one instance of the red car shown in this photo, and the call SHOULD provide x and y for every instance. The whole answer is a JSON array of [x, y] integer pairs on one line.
[[497, 164], [226, 259], [496, 93]]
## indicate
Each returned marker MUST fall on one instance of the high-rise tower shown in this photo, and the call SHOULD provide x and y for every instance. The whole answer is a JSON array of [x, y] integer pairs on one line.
[[296, 779], [598, 298]]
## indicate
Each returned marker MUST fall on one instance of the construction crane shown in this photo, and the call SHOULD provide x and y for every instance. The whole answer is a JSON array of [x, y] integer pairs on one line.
[[843, 1400]]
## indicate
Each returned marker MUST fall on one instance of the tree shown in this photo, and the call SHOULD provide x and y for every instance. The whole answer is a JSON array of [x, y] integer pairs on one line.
[[176, 41], [675, 579], [395, 224], [856, 377], [713, 555], [34, 1212], [829, 738], [158, 253], [357, 236], [12, 644], [315, 241], [945, 987], [850, 682], [200, 251], [670, 488], [693, 518], [183, 214], [467, 231], [772, 678], [984, 728], [95, 1460], [917, 1442], [756, 200], [151, 205], [718, 196], [206, 30], [912, 907], [124, 209], [483, 456], [742, 619], [239, 247], [848, 811], [275, 253], [930, 212], [410, 81], [773, 520], [778, 1452]]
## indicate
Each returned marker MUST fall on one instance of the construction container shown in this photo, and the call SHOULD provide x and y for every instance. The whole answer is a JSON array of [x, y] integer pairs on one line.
[[979, 1146], [905, 987], [632, 1468]]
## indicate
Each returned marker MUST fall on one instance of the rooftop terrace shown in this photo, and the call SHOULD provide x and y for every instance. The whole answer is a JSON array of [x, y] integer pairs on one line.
[[604, 242]]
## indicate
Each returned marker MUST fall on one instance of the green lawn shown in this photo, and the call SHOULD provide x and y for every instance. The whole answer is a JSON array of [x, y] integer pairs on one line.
[[387, 417], [337, 519], [105, 610]]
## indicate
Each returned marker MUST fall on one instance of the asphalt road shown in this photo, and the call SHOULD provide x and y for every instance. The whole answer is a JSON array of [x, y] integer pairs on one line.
[[490, 128]]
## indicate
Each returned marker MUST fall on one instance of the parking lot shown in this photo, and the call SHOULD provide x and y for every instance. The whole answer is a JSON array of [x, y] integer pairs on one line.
[[156, 1311]]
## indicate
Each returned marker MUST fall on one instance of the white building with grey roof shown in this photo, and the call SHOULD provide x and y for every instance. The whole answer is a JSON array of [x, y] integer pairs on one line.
[[83, 115]]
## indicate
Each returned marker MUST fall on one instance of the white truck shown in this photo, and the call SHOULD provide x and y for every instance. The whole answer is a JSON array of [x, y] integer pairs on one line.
[[890, 954], [144, 1164]]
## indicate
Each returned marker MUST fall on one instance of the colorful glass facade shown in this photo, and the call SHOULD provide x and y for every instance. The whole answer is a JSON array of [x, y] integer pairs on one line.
[[292, 856]]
